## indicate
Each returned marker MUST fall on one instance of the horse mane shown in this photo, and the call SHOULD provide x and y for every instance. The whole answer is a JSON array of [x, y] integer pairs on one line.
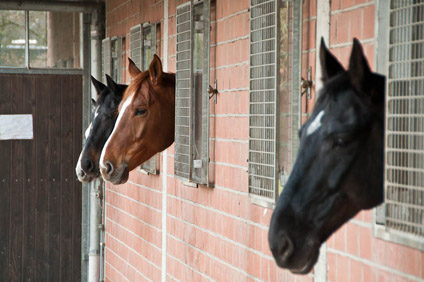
[[135, 86]]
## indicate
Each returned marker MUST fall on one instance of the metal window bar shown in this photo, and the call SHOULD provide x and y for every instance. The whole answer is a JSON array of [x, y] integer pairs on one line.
[[136, 54], [274, 113], [200, 165], [263, 63], [116, 58], [183, 93], [106, 58], [404, 165]]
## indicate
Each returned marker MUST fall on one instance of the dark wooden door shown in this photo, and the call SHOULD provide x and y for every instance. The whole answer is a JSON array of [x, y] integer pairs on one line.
[[40, 197]]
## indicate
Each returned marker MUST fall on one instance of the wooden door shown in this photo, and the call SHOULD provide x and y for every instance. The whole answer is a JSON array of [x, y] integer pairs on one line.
[[40, 197]]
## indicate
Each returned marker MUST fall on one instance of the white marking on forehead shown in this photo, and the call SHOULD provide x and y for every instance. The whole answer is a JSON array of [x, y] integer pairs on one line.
[[87, 131], [127, 102], [315, 124]]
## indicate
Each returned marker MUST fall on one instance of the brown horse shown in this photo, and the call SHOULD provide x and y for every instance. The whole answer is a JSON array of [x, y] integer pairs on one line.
[[145, 123]]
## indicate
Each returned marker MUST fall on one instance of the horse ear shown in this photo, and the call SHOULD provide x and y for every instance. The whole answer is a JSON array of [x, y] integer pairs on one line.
[[132, 68], [155, 69], [111, 84], [98, 85], [359, 70], [330, 66]]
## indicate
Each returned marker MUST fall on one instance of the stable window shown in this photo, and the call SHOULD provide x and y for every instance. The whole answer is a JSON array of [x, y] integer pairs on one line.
[[400, 57], [142, 49], [274, 107], [192, 98], [39, 39], [112, 58]]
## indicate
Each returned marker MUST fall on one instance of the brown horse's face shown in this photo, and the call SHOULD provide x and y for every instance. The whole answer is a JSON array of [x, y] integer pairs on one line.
[[145, 123]]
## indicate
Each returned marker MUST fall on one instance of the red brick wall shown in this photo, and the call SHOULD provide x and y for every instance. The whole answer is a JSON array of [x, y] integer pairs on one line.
[[216, 233]]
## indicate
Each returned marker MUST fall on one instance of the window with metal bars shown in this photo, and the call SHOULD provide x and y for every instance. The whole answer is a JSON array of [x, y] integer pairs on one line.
[[400, 57], [142, 49], [192, 98], [274, 105], [112, 58]]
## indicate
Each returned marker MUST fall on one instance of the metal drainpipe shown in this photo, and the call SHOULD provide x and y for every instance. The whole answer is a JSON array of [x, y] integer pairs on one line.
[[165, 152], [96, 188], [94, 239]]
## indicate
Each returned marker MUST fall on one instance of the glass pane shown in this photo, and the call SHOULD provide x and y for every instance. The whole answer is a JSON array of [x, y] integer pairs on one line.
[[12, 38], [287, 113], [198, 78], [147, 47], [54, 39], [116, 53]]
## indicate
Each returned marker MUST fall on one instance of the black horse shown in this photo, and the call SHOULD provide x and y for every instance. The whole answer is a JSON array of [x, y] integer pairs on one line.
[[105, 110], [339, 167]]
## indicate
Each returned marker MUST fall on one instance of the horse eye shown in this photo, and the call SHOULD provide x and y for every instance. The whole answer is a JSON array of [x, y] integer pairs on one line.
[[139, 112], [339, 142]]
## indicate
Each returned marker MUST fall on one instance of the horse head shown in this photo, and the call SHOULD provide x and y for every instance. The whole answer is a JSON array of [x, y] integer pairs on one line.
[[339, 166], [145, 123], [105, 108]]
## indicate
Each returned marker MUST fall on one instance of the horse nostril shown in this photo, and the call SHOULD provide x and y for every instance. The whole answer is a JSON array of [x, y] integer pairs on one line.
[[286, 247], [89, 165], [109, 167]]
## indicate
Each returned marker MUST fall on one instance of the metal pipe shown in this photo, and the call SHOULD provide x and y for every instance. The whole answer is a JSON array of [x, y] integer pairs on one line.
[[52, 6], [27, 39], [96, 263], [88, 203], [95, 221], [165, 152], [97, 34]]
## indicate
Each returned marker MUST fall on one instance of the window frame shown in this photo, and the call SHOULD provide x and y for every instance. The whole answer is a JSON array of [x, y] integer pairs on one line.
[[380, 230], [108, 56], [186, 159], [26, 68], [150, 166], [270, 202]]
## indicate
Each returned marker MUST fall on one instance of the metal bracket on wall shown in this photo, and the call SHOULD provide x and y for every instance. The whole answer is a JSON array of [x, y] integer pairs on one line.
[[307, 83], [213, 91]]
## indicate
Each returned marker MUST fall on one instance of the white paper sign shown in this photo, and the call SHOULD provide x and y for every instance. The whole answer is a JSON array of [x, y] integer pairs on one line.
[[16, 127]]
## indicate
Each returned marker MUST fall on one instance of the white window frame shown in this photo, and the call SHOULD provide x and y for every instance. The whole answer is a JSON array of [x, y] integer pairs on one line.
[[255, 172], [185, 164], [151, 166], [380, 230]]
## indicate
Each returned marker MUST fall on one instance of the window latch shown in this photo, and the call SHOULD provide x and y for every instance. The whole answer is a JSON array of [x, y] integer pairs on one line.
[[213, 91], [307, 84]]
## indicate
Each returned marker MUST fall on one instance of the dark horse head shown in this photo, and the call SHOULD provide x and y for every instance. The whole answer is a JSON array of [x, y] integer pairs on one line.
[[105, 110], [339, 166]]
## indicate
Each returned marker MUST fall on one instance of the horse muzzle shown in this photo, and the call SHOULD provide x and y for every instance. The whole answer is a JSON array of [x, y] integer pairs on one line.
[[115, 174]]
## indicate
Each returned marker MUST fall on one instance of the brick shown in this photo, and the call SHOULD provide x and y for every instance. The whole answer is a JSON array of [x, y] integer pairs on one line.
[[383, 276], [340, 239], [398, 278], [335, 5], [365, 247], [355, 23], [412, 261], [347, 3], [368, 22], [342, 269], [331, 267], [379, 253], [369, 273], [395, 256], [343, 34], [355, 271]]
